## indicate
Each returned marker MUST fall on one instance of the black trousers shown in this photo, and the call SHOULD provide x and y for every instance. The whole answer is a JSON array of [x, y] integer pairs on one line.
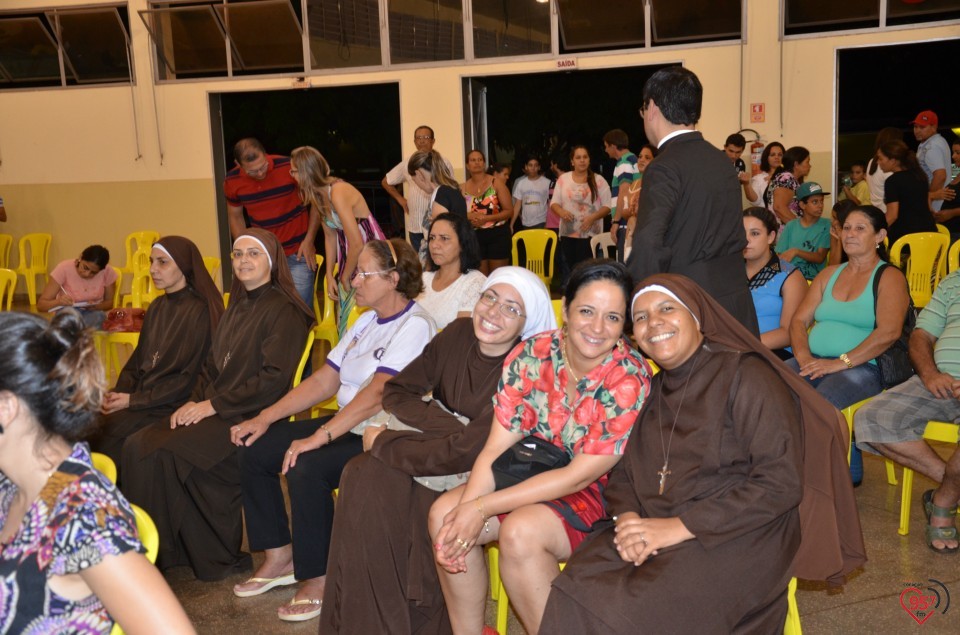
[[310, 484]]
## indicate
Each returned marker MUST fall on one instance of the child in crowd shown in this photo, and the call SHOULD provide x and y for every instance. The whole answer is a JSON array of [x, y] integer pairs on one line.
[[856, 189], [804, 241], [531, 197]]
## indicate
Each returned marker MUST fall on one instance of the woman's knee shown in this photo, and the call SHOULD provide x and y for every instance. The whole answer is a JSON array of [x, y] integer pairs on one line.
[[528, 530], [441, 507]]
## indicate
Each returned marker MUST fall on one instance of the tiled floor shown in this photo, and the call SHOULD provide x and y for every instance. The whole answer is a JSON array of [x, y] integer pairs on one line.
[[870, 602]]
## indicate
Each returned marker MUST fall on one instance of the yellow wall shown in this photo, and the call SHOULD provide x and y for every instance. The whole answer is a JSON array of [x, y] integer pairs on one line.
[[70, 161]]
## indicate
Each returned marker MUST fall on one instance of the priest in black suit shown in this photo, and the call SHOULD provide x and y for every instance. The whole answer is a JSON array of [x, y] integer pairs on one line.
[[689, 220]]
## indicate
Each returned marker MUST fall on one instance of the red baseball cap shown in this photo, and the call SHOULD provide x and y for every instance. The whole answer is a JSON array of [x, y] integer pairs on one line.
[[926, 118]]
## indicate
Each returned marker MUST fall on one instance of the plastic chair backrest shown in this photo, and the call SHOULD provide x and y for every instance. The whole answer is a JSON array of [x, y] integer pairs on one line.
[[136, 242], [558, 311], [927, 250], [316, 281], [943, 261], [8, 283], [147, 529], [212, 265], [601, 245], [6, 242], [117, 295], [539, 245], [953, 257], [105, 465], [298, 376], [38, 246]]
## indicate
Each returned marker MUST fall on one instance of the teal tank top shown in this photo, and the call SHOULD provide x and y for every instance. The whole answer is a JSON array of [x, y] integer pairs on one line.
[[842, 326]]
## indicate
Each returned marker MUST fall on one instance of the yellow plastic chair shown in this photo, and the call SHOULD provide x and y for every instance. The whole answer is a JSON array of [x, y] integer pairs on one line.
[[111, 361], [953, 257], [326, 328], [540, 246], [135, 242], [34, 252], [141, 282], [226, 299], [848, 414], [558, 311], [117, 293], [935, 431], [6, 242], [943, 261], [105, 465], [602, 246], [212, 265], [927, 250], [8, 284], [298, 376], [355, 313]]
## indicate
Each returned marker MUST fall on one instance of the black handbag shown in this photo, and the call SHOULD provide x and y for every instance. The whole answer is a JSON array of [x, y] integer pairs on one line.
[[527, 457], [894, 363]]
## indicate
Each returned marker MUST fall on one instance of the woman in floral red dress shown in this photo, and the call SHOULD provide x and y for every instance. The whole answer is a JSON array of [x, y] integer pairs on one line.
[[580, 389]]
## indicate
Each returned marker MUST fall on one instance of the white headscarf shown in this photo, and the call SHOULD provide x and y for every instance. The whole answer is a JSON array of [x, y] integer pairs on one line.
[[536, 298], [259, 242], [665, 291]]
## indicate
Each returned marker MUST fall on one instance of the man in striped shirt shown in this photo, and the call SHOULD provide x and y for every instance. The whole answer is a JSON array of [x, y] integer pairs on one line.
[[261, 184]]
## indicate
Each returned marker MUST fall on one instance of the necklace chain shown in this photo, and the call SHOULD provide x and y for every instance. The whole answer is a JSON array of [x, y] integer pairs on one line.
[[569, 362], [665, 471]]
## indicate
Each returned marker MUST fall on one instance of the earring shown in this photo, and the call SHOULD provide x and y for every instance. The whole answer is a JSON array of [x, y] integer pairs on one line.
[[620, 347]]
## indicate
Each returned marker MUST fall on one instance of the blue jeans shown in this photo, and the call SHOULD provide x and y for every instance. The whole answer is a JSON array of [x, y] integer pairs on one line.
[[303, 278]]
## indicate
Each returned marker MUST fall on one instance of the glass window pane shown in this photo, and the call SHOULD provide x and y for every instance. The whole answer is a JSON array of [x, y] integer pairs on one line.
[[189, 40], [503, 28], [904, 12], [266, 35], [425, 30], [694, 20], [815, 16], [585, 26], [344, 33], [94, 44], [28, 53]]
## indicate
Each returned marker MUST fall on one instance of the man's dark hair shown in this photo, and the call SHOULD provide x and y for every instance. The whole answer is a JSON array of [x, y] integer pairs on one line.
[[247, 149], [677, 93], [736, 140], [432, 135], [617, 138]]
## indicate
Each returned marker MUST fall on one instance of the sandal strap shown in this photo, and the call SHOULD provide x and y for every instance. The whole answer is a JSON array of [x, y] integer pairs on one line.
[[941, 533], [313, 601], [942, 512]]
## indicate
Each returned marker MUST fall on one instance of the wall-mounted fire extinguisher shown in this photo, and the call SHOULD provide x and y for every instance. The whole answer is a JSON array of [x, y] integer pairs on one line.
[[756, 150]]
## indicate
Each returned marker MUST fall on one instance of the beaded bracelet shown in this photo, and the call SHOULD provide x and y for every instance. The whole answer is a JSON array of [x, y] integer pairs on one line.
[[329, 436]]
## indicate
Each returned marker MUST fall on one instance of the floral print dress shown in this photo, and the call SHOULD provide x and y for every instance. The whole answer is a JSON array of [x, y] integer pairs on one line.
[[78, 519], [532, 400]]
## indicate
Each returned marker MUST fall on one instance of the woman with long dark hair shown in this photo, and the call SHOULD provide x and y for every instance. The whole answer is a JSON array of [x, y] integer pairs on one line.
[[905, 192], [780, 195], [452, 280], [770, 161], [876, 177], [489, 210]]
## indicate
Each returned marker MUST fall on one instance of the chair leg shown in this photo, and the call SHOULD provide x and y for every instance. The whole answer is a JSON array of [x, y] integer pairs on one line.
[[792, 627], [503, 604], [31, 280], [891, 472], [905, 497], [493, 567]]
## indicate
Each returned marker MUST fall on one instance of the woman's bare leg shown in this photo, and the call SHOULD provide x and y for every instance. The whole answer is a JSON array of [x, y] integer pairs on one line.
[[532, 543]]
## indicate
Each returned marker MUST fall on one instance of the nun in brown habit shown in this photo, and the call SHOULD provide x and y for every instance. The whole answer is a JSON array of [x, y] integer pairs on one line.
[[733, 460], [381, 577], [174, 340], [184, 471]]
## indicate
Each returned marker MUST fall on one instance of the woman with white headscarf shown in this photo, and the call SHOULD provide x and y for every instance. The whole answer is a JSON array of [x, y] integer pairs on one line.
[[577, 392], [381, 548]]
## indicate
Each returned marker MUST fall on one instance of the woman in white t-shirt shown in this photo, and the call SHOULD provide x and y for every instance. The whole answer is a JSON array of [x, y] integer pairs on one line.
[[770, 160], [877, 178], [452, 282], [312, 453], [87, 284]]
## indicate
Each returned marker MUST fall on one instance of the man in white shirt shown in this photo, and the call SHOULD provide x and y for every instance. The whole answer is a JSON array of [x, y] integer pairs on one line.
[[933, 154]]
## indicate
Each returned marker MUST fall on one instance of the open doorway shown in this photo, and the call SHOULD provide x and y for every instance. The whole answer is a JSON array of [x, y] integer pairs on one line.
[[510, 117], [880, 86], [356, 128]]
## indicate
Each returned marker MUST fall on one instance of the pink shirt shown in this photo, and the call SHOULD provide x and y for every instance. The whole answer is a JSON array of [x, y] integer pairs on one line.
[[83, 290]]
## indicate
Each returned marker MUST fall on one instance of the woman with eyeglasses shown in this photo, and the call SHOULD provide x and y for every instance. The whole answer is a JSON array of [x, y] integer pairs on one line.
[[183, 468], [312, 453], [443, 404], [348, 224], [578, 389], [87, 284]]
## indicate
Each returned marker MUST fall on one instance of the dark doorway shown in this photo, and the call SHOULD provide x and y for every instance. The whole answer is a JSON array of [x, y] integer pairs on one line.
[[356, 128], [545, 114], [880, 86]]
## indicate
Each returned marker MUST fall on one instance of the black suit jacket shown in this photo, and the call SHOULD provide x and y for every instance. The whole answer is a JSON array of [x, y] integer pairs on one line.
[[690, 222]]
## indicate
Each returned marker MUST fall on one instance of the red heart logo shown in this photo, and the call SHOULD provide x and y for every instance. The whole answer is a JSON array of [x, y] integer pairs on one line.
[[916, 604]]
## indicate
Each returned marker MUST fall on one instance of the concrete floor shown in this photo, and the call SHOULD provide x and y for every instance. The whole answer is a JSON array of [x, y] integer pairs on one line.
[[869, 603]]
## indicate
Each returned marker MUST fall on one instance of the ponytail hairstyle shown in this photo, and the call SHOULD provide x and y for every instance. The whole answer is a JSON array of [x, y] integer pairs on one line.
[[432, 162], [878, 220], [591, 177], [314, 174], [907, 158], [54, 370], [793, 157]]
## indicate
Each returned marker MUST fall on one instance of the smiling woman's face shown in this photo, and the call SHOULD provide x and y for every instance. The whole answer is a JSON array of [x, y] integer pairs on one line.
[[250, 263], [664, 329]]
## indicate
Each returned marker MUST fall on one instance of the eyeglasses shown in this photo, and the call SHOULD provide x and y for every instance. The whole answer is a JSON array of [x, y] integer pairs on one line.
[[257, 171], [252, 254], [510, 312], [363, 275]]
